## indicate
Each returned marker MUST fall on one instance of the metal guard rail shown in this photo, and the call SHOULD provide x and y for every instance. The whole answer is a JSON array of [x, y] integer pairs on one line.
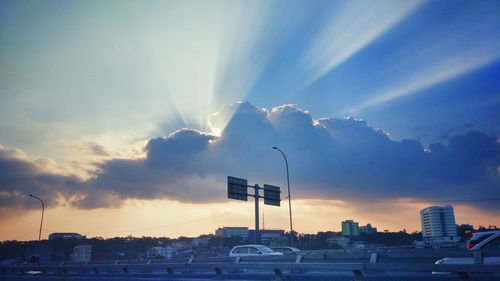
[[277, 268]]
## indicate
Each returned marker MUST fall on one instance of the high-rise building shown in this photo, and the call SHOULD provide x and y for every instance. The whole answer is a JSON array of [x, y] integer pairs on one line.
[[438, 225], [350, 228]]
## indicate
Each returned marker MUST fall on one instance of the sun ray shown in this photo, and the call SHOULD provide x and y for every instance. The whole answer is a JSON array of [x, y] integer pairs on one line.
[[352, 25]]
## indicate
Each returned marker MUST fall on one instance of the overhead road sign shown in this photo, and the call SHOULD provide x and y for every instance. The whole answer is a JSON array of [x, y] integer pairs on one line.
[[272, 195], [237, 188]]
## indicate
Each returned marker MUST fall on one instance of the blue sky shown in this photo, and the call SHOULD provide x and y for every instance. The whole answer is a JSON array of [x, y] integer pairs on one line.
[[90, 68], [89, 88]]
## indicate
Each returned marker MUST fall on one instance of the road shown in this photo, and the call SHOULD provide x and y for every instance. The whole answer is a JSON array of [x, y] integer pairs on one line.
[[318, 276]]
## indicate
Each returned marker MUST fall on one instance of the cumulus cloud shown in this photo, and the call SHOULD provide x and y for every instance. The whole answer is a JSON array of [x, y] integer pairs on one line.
[[329, 158]]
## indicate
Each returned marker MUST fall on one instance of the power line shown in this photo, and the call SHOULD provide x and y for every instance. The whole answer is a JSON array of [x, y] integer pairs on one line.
[[156, 227], [26, 234]]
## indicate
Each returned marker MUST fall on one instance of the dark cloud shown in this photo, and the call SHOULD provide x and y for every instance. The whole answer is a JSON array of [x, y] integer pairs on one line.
[[20, 176], [329, 158]]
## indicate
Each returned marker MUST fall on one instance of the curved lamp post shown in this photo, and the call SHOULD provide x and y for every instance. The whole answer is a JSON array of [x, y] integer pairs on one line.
[[41, 222], [289, 196]]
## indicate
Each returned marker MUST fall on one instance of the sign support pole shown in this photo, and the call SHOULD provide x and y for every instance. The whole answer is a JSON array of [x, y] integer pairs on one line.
[[238, 189], [257, 232]]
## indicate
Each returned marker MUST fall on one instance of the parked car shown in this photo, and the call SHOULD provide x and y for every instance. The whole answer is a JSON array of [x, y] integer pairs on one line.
[[253, 250], [487, 240], [286, 250]]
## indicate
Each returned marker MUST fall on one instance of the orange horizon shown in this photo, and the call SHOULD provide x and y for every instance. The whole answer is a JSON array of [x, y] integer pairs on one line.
[[160, 218]]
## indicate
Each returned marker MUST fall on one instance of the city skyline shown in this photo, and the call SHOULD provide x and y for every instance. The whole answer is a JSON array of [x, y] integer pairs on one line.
[[127, 118]]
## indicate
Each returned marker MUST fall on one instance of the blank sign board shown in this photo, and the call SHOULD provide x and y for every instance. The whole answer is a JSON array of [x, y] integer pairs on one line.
[[272, 195], [237, 188]]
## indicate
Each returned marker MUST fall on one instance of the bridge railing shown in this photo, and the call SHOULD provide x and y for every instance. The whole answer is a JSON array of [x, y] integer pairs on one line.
[[278, 267]]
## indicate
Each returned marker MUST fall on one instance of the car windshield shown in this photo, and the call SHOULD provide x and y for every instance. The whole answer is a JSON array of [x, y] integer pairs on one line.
[[265, 250]]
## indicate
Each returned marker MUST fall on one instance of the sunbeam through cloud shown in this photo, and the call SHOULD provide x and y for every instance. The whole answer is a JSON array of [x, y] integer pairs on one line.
[[351, 26]]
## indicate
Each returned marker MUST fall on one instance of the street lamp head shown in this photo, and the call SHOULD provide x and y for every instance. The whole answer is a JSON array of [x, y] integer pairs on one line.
[[274, 147], [31, 195]]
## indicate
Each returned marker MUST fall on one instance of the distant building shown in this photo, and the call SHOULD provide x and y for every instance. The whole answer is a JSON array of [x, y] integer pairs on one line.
[[418, 244], [160, 252], [200, 242], [484, 228], [232, 231], [279, 241], [368, 229], [65, 235], [438, 225], [339, 240], [266, 235], [82, 253], [41, 253], [465, 230], [182, 247], [350, 228]]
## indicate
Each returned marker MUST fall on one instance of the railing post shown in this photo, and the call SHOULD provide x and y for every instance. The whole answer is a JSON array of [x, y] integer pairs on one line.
[[464, 276], [278, 275], [358, 275], [218, 273], [478, 257]]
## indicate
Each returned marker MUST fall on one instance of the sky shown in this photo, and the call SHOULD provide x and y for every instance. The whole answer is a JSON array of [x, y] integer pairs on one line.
[[126, 117]]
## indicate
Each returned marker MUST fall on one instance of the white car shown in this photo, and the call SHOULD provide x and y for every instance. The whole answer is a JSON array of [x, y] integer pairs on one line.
[[253, 251], [286, 250], [488, 240]]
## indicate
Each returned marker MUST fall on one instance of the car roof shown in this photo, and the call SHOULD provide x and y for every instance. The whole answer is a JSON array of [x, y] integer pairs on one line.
[[479, 234], [251, 245], [492, 235]]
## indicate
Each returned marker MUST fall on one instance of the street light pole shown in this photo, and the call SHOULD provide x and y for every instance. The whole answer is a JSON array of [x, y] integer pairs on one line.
[[289, 196], [41, 222]]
